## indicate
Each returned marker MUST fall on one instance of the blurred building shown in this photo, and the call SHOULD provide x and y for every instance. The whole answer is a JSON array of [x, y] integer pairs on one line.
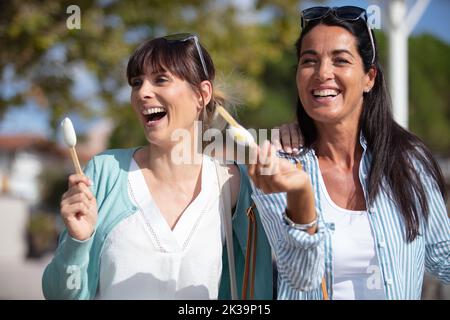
[[23, 157]]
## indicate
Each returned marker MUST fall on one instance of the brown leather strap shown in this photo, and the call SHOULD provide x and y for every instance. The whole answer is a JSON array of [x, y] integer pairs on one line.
[[250, 251], [324, 289], [255, 238]]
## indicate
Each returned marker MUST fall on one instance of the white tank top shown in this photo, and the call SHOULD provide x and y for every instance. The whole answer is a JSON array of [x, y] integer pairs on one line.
[[356, 270], [143, 258]]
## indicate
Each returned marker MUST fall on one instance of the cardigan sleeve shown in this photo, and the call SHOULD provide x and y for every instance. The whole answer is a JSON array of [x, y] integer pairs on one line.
[[66, 276]]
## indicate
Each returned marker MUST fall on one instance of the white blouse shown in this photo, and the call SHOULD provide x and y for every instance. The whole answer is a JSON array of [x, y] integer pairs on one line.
[[356, 270], [143, 258]]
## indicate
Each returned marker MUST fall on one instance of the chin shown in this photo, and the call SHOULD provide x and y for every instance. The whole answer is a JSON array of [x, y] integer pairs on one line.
[[156, 138], [324, 114]]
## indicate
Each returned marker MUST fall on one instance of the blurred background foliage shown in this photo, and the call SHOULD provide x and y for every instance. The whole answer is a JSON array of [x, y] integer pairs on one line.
[[253, 52]]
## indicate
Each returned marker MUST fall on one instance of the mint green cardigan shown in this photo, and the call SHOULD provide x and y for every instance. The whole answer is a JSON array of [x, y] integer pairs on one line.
[[74, 270]]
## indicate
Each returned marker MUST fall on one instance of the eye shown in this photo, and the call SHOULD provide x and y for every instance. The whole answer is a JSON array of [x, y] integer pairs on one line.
[[135, 82], [341, 61], [308, 61], [161, 79]]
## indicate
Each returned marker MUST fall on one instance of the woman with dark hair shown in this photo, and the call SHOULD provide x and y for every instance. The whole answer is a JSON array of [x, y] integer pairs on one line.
[[141, 224], [366, 216]]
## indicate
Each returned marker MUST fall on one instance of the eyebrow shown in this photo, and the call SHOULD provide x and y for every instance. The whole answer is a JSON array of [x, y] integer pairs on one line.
[[334, 52]]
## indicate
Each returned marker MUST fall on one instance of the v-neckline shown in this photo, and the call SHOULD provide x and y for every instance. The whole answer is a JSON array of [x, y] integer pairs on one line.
[[175, 239]]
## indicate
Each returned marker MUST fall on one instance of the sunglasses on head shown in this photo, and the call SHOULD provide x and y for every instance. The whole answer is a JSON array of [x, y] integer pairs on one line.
[[181, 37], [346, 13]]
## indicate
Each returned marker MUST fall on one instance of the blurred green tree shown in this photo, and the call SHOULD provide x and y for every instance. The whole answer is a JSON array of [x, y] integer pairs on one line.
[[429, 95], [253, 51]]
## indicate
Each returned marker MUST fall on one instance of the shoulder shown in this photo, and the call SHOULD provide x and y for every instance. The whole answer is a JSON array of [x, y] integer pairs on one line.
[[109, 164], [113, 157], [423, 162], [115, 154]]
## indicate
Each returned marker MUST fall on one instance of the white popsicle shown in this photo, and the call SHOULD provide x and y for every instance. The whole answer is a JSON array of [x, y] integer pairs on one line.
[[71, 140], [238, 132], [241, 135], [69, 132]]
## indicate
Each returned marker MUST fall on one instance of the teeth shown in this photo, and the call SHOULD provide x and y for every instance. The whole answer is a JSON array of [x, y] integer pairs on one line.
[[153, 110], [326, 92]]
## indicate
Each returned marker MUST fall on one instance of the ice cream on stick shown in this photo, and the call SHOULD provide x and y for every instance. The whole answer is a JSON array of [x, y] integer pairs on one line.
[[71, 140], [239, 133], [242, 136]]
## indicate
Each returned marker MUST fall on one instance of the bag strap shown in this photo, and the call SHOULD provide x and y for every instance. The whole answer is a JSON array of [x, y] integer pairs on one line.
[[324, 289], [225, 198], [250, 251]]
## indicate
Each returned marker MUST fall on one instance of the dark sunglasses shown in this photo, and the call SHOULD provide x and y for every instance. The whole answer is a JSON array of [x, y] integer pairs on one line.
[[347, 13], [181, 37]]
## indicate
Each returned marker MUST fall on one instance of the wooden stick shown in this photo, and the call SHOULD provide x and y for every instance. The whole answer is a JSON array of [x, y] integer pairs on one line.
[[76, 163], [224, 113]]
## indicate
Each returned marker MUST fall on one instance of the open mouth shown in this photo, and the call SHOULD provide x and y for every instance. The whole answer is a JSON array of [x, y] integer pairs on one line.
[[325, 93], [154, 115]]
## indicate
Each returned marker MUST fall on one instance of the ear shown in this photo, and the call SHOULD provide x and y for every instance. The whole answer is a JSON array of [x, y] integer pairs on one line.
[[370, 76], [205, 93]]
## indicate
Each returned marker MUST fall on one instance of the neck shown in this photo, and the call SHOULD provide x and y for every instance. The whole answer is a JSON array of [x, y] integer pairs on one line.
[[179, 162], [338, 144]]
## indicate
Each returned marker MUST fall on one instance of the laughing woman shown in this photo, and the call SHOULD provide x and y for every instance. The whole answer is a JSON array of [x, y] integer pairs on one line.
[[140, 225], [366, 216]]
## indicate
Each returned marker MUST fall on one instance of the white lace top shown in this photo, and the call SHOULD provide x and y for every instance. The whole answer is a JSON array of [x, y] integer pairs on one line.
[[143, 258]]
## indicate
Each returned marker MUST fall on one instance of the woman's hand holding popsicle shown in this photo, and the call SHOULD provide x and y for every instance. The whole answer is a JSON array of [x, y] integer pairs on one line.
[[272, 174], [79, 208], [78, 204]]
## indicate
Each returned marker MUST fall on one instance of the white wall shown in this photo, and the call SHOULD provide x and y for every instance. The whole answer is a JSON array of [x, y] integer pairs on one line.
[[24, 175], [13, 220]]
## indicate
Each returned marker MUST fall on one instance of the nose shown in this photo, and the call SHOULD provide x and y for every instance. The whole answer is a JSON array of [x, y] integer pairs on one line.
[[146, 90], [325, 71]]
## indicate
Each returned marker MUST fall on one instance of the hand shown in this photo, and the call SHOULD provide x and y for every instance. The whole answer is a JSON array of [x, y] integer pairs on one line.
[[272, 174], [289, 138], [79, 208]]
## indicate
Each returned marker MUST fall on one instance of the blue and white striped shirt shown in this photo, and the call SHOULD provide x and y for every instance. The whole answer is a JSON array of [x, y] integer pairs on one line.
[[302, 259]]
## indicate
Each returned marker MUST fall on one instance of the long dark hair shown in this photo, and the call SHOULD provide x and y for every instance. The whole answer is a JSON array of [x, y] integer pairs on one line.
[[385, 138]]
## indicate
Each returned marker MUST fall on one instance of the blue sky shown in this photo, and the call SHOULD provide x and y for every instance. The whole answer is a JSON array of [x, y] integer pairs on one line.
[[435, 20]]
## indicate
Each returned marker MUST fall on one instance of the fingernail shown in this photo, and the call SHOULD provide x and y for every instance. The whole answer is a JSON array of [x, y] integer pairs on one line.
[[91, 183], [288, 150], [295, 150]]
